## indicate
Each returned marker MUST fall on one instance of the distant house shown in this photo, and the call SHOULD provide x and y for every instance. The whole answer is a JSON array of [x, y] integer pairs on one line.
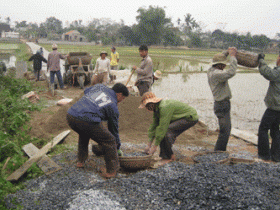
[[274, 44], [4, 28], [74, 36]]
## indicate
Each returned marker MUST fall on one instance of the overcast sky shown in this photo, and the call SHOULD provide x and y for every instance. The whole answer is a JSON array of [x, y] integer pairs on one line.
[[242, 16]]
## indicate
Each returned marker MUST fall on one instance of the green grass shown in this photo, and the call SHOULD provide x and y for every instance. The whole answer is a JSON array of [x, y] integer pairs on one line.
[[8, 46]]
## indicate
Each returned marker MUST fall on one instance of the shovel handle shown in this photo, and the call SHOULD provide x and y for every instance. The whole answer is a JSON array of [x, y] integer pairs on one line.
[[129, 77]]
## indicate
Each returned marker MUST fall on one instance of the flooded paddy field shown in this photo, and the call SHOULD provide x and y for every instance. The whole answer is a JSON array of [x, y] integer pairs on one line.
[[8, 59], [247, 103]]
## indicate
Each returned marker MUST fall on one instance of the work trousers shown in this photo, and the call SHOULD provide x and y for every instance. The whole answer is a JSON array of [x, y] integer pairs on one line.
[[100, 78], [174, 129], [143, 86], [222, 111], [98, 133], [37, 74], [59, 78], [270, 121]]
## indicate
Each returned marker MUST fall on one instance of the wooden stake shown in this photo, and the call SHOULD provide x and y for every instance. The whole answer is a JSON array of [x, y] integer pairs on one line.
[[21, 170], [129, 77], [6, 163]]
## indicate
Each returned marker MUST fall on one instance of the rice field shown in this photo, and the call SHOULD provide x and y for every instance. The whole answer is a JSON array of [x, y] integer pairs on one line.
[[164, 59]]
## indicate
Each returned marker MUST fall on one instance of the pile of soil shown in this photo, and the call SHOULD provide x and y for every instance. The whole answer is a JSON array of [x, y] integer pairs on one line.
[[133, 122]]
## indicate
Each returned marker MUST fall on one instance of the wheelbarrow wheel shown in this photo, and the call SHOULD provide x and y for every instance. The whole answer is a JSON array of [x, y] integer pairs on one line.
[[81, 80], [69, 79]]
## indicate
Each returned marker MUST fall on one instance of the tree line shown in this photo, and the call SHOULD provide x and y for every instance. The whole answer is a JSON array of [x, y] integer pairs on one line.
[[153, 27]]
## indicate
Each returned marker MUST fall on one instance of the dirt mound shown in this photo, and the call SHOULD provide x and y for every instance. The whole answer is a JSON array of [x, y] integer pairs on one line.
[[133, 122]]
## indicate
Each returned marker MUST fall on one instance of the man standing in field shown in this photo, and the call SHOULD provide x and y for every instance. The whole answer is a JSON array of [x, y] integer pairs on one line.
[[54, 66], [218, 78], [102, 70], [271, 118], [115, 58], [144, 72]]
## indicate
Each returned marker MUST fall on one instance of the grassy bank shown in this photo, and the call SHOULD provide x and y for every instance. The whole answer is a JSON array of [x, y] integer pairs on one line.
[[14, 113]]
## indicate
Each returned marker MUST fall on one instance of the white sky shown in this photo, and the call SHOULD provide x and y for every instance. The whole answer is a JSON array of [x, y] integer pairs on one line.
[[242, 16]]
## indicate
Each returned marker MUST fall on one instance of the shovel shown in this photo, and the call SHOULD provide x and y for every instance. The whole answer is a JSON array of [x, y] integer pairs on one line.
[[129, 77]]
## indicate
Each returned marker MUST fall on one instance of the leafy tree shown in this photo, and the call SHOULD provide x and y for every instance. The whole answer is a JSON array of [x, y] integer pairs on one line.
[[21, 24], [126, 35], [53, 25], [151, 24], [8, 20], [190, 24], [42, 31], [195, 40], [171, 38]]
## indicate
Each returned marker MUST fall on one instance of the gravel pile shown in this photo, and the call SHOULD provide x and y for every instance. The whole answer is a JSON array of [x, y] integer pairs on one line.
[[211, 157], [173, 186]]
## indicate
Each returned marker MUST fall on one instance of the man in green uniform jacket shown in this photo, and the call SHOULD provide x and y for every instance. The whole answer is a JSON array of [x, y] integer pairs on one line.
[[170, 119]]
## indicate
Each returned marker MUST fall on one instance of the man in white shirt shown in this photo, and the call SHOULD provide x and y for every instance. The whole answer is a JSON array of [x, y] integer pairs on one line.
[[102, 70]]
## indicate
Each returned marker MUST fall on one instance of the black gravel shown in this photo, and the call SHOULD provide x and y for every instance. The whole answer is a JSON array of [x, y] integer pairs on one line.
[[211, 157], [173, 186], [134, 154]]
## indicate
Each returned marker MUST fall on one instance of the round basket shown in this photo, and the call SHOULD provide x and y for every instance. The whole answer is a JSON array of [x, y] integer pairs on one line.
[[137, 162], [198, 158]]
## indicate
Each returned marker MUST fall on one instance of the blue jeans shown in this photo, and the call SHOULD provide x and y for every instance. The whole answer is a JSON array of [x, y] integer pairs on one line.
[[222, 111], [59, 78], [270, 121]]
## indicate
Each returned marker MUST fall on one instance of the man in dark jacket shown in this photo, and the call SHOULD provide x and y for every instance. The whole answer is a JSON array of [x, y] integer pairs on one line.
[[271, 118], [99, 103], [37, 64]]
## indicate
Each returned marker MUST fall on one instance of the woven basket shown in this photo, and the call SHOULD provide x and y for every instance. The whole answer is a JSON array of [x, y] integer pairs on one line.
[[137, 162], [245, 58], [73, 58], [194, 157]]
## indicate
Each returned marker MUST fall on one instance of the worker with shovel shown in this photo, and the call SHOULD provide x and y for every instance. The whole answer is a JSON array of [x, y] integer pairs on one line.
[[170, 119], [144, 72], [99, 103]]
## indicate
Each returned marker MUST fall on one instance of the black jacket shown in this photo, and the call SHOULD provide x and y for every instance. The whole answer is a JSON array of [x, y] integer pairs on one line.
[[37, 61]]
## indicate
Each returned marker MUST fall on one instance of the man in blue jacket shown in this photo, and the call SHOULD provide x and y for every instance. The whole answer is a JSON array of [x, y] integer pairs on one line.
[[99, 103], [271, 118]]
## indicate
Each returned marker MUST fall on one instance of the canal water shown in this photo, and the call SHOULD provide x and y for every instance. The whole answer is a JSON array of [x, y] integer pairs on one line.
[[8, 59], [247, 103]]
